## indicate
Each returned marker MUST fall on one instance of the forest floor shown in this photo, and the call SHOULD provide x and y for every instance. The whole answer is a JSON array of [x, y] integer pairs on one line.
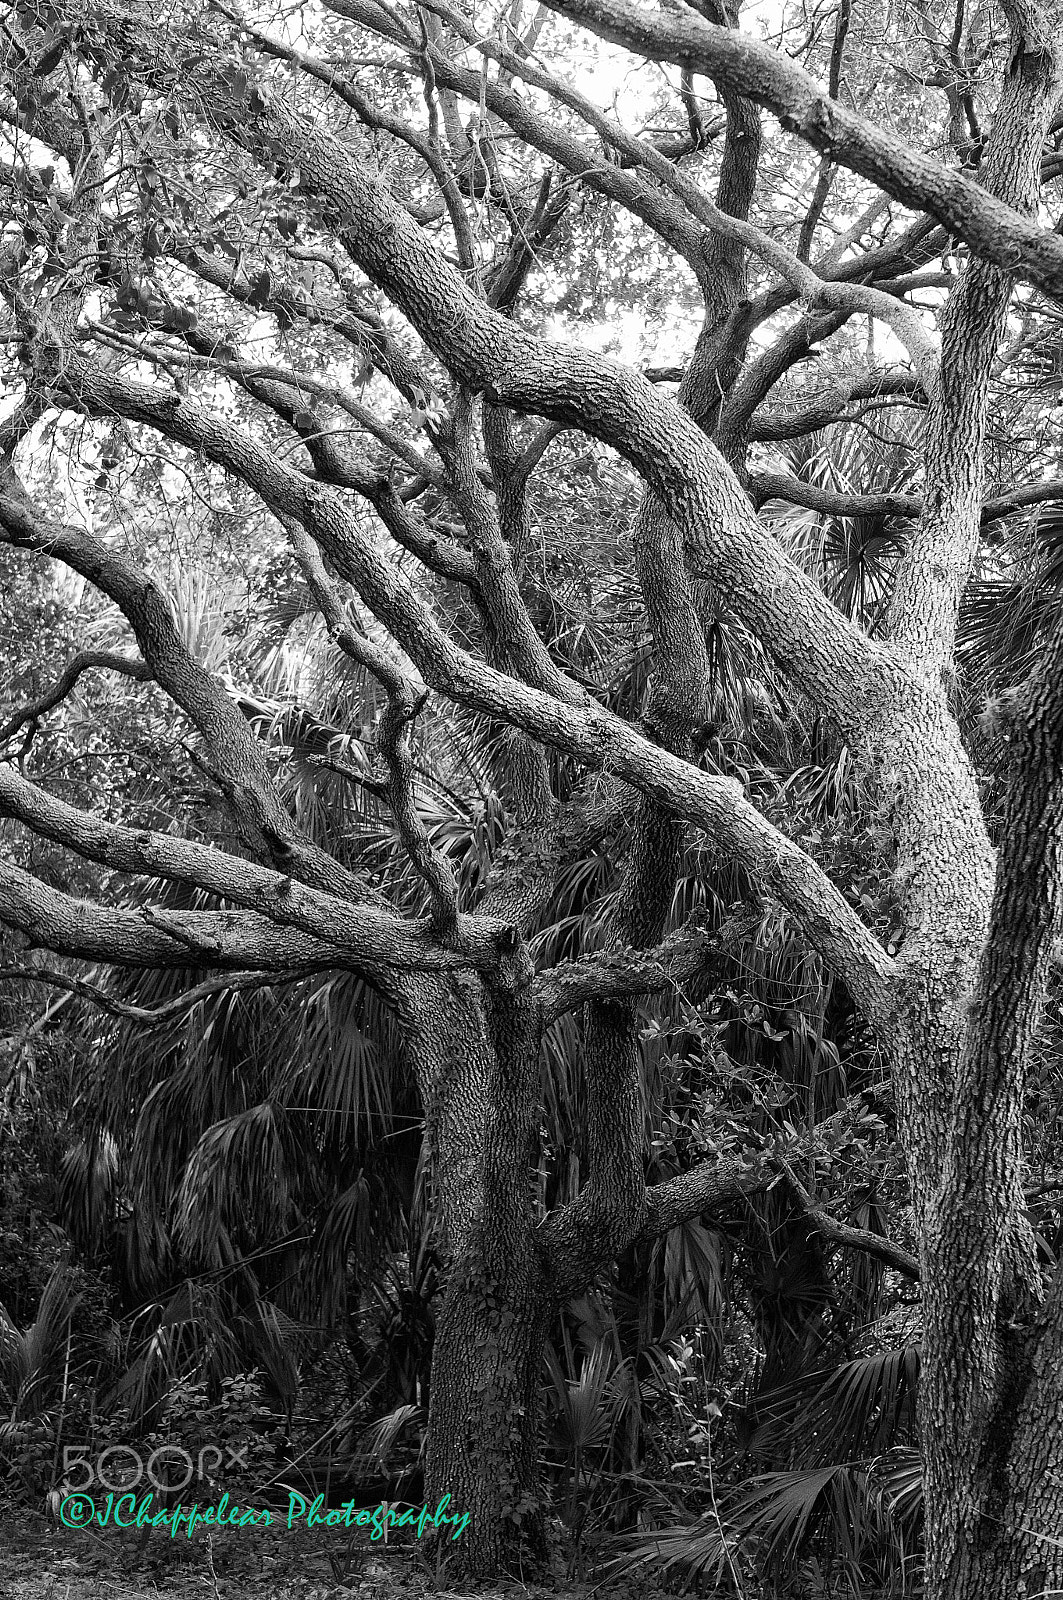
[[41, 1561]]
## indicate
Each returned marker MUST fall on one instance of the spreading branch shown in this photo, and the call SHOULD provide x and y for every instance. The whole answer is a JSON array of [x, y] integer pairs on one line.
[[829, 1228], [149, 1016], [362, 936], [84, 661], [599, 738], [993, 229]]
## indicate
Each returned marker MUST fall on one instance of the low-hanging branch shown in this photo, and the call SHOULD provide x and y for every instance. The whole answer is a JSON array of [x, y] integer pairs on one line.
[[150, 1016], [148, 937], [359, 936]]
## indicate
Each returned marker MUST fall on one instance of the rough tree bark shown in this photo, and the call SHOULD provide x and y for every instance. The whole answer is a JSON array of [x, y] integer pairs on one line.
[[958, 1011]]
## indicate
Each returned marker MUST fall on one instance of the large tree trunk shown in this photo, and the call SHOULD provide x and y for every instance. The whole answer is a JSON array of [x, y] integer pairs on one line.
[[1019, 1548], [476, 1052], [447, 1042], [969, 1004], [483, 1433], [1014, 1505], [994, 1382]]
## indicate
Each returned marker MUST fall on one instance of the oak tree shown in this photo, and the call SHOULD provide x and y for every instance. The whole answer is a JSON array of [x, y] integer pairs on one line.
[[325, 257]]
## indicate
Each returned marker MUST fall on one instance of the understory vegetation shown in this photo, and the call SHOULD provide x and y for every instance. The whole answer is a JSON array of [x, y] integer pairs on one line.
[[217, 1231]]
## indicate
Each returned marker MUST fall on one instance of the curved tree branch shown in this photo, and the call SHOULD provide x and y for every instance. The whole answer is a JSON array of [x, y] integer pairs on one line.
[[369, 935], [829, 1228], [149, 1016], [993, 229], [82, 662], [836, 503]]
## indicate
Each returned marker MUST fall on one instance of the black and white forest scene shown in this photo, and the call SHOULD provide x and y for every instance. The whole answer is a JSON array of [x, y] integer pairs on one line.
[[531, 799]]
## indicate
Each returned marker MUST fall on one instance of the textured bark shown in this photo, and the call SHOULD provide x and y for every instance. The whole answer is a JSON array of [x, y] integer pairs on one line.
[[1019, 1549], [958, 1010], [965, 1027], [992, 1376], [445, 1037], [492, 1324], [993, 229], [483, 1429]]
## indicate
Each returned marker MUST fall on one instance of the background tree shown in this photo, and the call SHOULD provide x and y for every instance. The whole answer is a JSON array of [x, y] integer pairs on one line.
[[289, 271]]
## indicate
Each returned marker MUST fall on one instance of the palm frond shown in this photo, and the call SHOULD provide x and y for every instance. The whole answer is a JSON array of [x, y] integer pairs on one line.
[[244, 1153], [31, 1361], [776, 1522]]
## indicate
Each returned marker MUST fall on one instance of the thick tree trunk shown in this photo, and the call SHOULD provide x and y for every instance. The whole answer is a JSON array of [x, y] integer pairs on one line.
[[1014, 1565], [1015, 1510], [1010, 1510], [476, 1053], [446, 1039], [1019, 1549], [483, 1433]]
